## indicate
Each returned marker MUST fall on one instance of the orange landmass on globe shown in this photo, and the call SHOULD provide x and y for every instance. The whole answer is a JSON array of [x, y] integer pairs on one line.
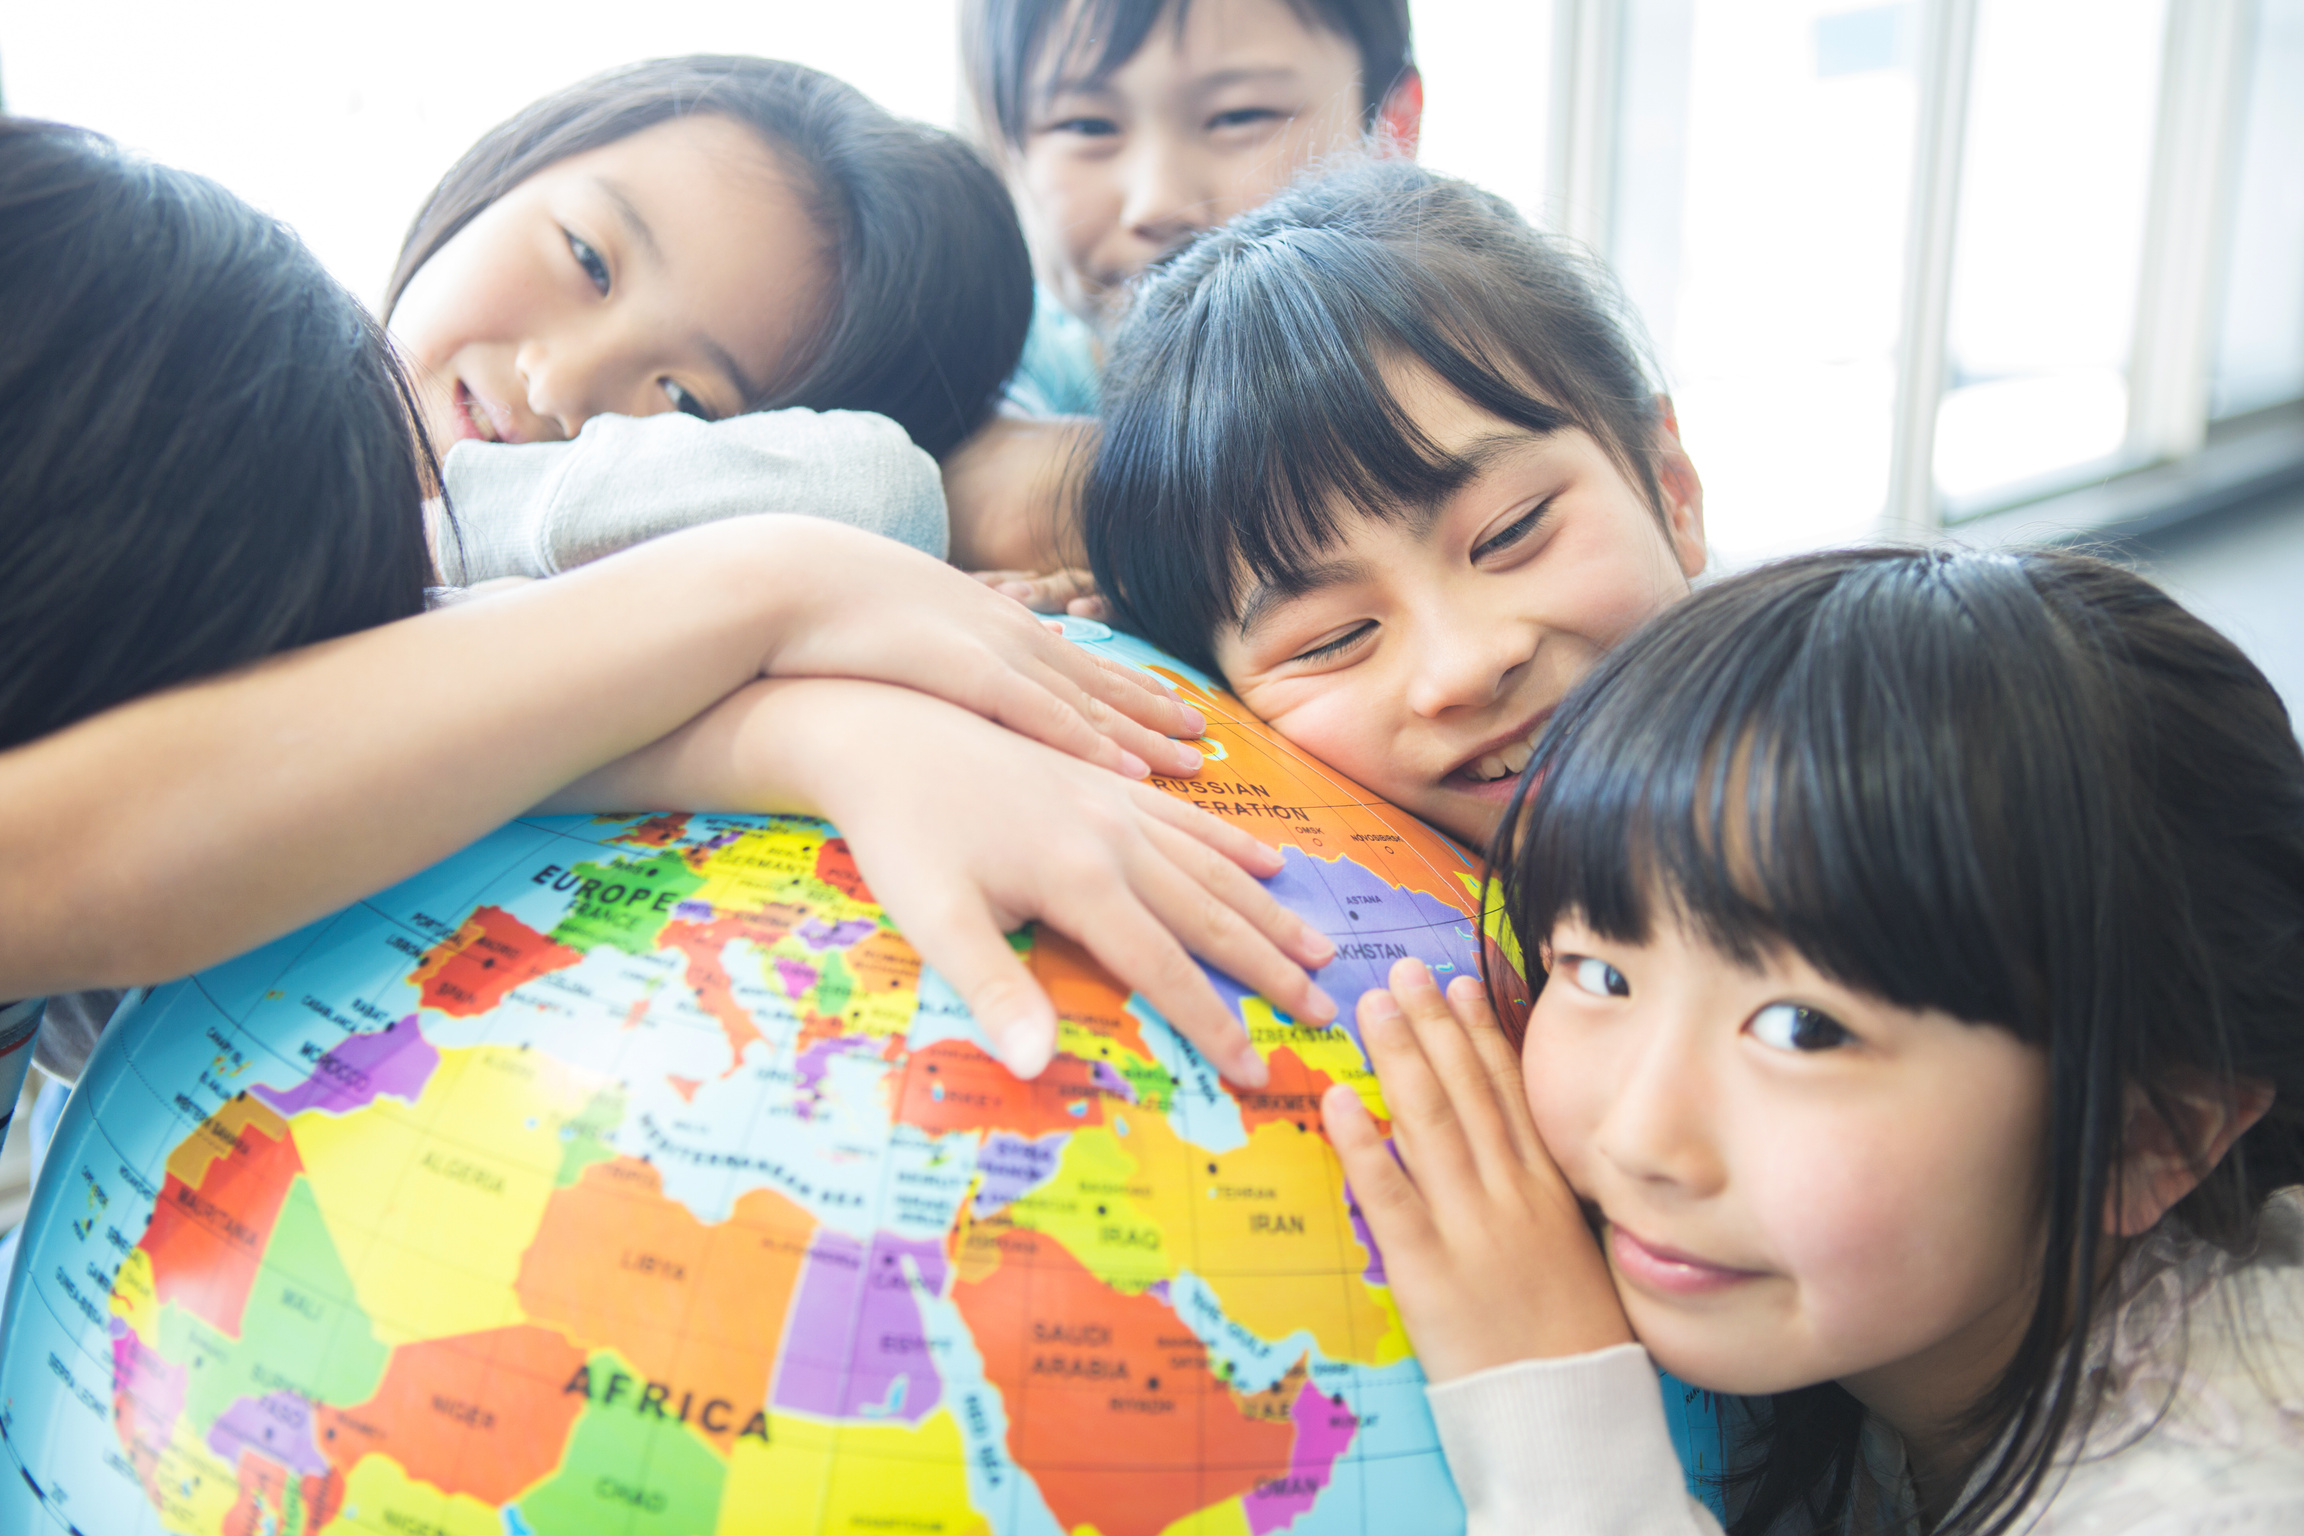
[[1085, 994], [836, 867], [484, 1414], [1111, 1405], [658, 831], [952, 1086], [207, 1235], [702, 945], [270, 1499], [696, 1308], [1269, 788], [470, 972], [1292, 1094]]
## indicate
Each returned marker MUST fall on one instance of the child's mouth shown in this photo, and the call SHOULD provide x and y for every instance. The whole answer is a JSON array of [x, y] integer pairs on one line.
[[1501, 764], [1668, 1270], [472, 418]]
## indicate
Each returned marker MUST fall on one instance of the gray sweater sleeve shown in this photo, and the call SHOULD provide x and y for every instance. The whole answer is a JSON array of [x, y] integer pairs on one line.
[[536, 509]]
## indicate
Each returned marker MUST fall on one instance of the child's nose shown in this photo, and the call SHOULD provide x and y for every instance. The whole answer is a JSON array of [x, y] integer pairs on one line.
[[1466, 659], [1656, 1130], [570, 377], [1166, 203]]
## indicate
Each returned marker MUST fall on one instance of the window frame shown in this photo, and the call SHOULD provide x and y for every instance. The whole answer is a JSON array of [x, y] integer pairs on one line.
[[2199, 123]]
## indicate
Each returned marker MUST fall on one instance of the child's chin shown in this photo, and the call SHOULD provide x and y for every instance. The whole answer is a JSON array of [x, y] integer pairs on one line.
[[1741, 1368]]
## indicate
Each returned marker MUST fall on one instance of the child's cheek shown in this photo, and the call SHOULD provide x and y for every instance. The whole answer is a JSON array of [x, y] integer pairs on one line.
[[1565, 1098]]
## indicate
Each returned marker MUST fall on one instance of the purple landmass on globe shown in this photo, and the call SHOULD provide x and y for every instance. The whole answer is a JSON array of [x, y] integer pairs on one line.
[[855, 1345], [1323, 1430], [1374, 1273], [277, 1427], [1013, 1166], [397, 1061], [797, 975], [814, 1062], [818, 934]]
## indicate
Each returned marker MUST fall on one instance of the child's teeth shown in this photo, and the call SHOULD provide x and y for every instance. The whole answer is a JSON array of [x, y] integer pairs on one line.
[[1516, 756], [1490, 766]]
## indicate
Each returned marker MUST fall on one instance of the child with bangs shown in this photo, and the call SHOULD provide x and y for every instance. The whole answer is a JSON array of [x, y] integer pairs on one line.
[[1919, 1023], [1126, 128], [1391, 463], [702, 287], [1918, 1054]]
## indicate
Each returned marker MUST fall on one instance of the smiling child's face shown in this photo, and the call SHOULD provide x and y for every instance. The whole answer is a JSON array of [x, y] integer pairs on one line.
[[1204, 122], [674, 269], [1422, 661], [1799, 1182]]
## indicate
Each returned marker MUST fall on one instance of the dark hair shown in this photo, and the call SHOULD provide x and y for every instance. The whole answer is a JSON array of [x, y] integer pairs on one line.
[[1246, 401], [932, 292], [1003, 41], [207, 451], [2028, 790]]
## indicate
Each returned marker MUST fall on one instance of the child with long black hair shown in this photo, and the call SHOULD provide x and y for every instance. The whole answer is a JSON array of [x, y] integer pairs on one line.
[[225, 711], [1920, 1033]]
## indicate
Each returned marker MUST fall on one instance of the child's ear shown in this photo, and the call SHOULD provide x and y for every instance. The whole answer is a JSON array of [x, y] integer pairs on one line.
[[2164, 1162], [1683, 492], [1400, 121]]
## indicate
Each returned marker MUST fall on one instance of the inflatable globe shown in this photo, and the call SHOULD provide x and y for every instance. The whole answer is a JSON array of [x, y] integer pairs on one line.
[[630, 1175]]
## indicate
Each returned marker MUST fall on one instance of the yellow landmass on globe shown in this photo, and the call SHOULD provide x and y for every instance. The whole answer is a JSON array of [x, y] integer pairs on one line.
[[1323, 1048], [434, 1203], [1263, 1226], [812, 1477], [378, 1496]]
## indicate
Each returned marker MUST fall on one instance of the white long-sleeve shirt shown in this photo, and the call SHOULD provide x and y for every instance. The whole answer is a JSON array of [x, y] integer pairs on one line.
[[537, 509], [2198, 1431]]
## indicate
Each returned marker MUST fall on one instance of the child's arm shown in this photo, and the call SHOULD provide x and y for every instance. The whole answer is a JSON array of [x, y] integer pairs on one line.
[[967, 832], [1548, 1412], [536, 509], [1014, 493], [185, 827]]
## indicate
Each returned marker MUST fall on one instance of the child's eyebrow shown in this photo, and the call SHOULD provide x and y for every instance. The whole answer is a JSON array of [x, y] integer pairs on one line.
[[628, 214], [1267, 595]]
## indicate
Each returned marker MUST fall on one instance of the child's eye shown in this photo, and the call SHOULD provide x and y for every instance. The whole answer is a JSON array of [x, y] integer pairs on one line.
[[1521, 527], [1597, 977], [1336, 647], [1087, 127], [1244, 116], [589, 260], [684, 401], [1790, 1027]]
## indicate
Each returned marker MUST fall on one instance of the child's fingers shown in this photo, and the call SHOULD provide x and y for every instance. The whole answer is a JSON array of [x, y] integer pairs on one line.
[[1222, 878], [1427, 1124], [1478, 1016], [1089, 608], [963, 943], [1389, 1201], [1455, 1066], [1230, 921], [1044, 592], [1069, 724], [1138, 948], [1258, 858]]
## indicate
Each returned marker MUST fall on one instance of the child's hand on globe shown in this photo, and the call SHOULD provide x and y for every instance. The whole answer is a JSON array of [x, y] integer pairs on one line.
[[874, 609], [1484, 1245], [966, 832]]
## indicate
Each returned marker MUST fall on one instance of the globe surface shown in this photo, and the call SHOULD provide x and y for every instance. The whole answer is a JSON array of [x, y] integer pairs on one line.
[[631, 1175]]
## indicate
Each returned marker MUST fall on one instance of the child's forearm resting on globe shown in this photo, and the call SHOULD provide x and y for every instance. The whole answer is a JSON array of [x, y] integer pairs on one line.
[[189, 826]]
